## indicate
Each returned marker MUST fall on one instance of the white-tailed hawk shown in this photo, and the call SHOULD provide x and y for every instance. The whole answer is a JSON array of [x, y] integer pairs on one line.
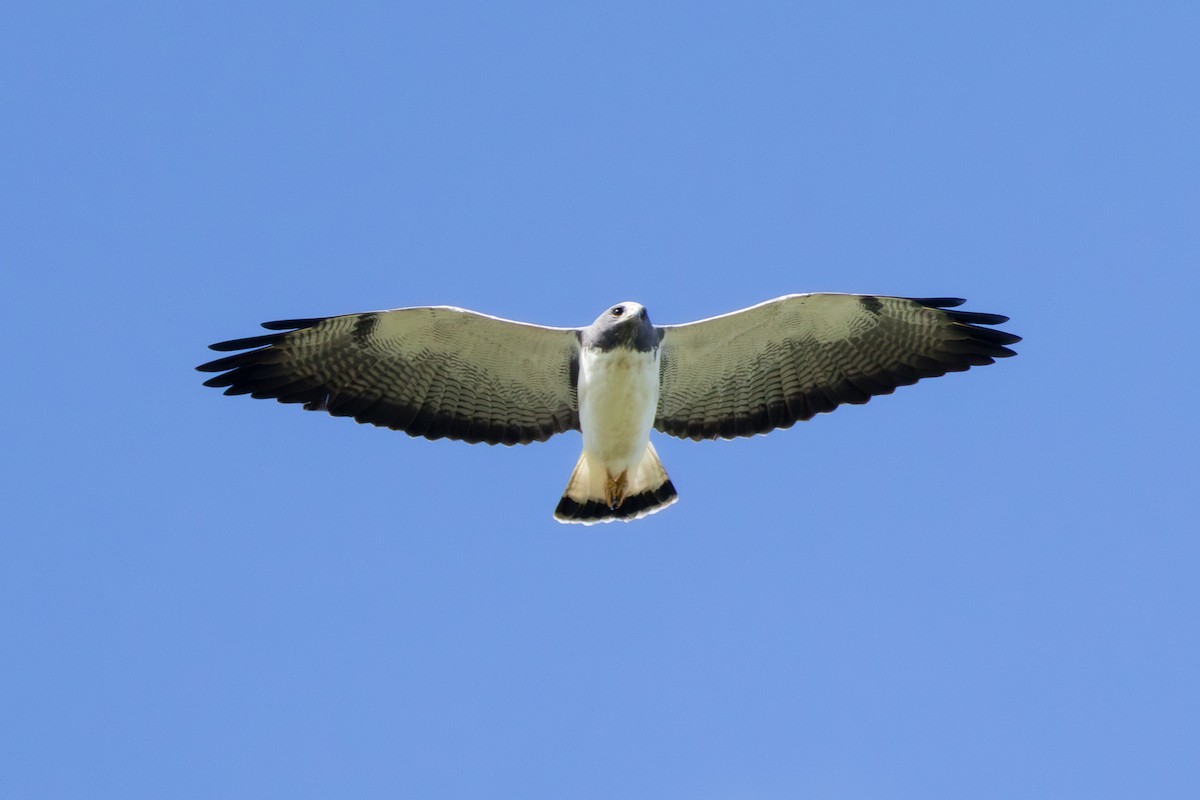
[[443, 372]]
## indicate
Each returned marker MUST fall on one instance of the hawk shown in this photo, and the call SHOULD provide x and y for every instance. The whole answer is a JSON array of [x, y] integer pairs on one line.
[[444, 372]]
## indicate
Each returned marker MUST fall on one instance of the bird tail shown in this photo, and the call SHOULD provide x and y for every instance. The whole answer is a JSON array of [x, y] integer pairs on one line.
[[593, 495]]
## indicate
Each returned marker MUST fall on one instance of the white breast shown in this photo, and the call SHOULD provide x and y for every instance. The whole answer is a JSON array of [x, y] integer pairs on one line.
[[618, 395]]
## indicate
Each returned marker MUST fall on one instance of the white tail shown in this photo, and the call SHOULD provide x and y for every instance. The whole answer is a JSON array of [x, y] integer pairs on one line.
[[593, 495]]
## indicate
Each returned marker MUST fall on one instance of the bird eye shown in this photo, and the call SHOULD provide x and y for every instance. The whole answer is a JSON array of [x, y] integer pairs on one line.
[[618, 311]]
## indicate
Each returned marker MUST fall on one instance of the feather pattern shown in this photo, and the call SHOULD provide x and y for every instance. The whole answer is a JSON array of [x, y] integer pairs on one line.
[[785, 360], [434, 372]]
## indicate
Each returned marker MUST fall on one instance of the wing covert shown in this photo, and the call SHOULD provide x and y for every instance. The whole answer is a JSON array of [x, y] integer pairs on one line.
[[429, 371]]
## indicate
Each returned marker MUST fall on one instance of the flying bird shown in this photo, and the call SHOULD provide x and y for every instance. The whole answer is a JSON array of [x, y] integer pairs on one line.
[[444, 372]]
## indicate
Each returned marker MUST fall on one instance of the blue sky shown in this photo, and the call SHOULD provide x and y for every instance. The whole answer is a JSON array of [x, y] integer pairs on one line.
[[981, 586]]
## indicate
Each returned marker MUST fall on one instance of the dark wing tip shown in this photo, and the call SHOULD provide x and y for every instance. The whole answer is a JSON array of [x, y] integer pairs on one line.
[[993, 336], [974, 320], [938, 302], [247, 343], [285, 326], [228, 362], [293, 324]]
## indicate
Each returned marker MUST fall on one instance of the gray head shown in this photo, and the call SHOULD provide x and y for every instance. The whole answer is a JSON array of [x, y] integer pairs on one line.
[[623, 325]]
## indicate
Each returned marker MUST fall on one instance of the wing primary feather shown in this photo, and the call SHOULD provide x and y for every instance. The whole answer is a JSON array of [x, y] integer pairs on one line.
[[293, 324], [267, 386], [993, 336], [976, 318], [937, 302], [233, 361], [247, 343]]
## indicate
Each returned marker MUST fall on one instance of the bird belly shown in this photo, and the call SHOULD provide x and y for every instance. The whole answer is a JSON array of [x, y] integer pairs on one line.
[[618, 398]]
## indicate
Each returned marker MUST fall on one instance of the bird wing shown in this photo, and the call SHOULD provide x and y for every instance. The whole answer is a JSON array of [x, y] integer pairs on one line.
[[782, 361], [430, 371]]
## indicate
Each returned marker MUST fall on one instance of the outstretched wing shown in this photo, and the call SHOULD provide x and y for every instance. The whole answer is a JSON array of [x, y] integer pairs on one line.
[[433, 372], [782, 361]]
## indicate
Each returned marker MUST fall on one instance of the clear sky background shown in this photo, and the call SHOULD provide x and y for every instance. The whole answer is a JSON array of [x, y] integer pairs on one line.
[[984, 585]]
